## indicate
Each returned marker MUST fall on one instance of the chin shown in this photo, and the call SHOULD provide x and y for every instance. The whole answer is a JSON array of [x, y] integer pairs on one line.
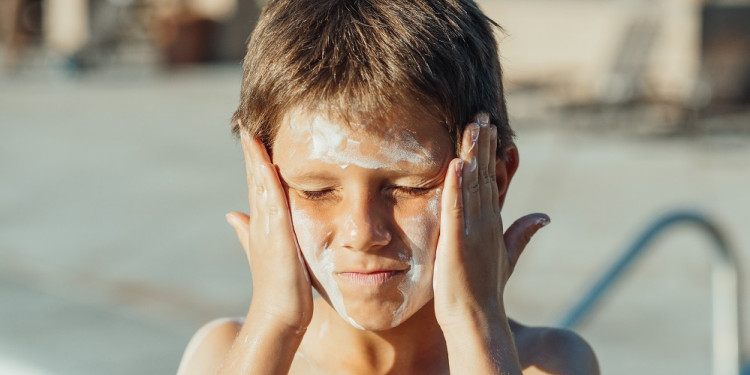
[[379, 320], [377, 308], [378, 315]]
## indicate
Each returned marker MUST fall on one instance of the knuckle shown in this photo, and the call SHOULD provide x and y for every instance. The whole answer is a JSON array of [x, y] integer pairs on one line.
[[274, 210], [259, 188], [474, 187]]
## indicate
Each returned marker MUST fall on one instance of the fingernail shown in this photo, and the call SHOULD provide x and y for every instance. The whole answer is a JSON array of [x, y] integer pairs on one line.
[[230, 219], [543, 221], [483, 118]]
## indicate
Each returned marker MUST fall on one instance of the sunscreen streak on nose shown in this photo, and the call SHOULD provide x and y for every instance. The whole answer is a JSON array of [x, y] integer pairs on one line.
[[321, 262], [333, 144], [353, 230], [416, 288]]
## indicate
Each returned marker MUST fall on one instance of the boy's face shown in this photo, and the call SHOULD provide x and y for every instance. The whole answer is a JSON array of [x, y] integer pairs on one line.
[[365, 205]]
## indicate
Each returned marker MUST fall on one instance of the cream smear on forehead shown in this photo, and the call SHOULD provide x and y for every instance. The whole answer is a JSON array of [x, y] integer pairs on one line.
[[334, 144], [320, 260]]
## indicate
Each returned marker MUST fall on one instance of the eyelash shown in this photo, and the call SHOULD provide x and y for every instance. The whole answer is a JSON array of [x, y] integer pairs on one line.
[[327, 193], [412, 191], [314, 195]]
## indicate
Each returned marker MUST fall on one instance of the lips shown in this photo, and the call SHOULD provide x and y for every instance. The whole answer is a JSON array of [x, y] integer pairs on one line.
[[371, 278]]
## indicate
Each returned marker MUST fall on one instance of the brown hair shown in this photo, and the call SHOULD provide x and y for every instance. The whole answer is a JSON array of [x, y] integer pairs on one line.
[[372, 57]]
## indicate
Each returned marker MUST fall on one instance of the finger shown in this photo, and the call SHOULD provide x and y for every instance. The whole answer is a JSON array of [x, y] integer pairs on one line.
[[495, 195], [261, 163], [270, 198], [246, 141], [241, 222], [272, 194], [263, 181], [483, 154], [451, 210], [519, 234], [258, 151], [470, 177]]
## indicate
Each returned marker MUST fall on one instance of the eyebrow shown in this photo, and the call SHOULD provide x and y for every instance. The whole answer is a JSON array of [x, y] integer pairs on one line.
[[425, 177], [306, 177]]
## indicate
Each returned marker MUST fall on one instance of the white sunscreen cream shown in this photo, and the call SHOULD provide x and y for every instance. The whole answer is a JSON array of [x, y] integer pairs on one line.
[[333, 144], [416, 288], [345, 146], [321, 262]]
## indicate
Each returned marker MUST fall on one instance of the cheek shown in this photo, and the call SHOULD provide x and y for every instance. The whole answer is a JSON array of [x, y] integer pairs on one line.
[[311, 235], [421, 231], [421, 228]]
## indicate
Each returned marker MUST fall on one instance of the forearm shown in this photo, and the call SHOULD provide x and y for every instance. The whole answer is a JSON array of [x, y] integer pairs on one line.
[[482, 343], [263, 346]]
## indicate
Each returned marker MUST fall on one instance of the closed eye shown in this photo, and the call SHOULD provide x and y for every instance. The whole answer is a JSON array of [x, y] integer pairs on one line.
[[410, 190], [317, 194]]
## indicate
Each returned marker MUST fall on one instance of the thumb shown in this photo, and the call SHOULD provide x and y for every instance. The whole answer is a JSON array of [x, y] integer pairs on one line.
[[241, 224], [519, 234]]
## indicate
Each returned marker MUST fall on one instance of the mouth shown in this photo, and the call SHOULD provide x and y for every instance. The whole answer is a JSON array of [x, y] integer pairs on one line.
[[375, 278]]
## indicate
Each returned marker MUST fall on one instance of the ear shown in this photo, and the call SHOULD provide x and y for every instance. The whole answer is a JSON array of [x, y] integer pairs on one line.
[[504, 171]]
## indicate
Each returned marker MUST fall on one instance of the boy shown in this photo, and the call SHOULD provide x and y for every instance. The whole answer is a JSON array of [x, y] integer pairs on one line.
[[366, 183]]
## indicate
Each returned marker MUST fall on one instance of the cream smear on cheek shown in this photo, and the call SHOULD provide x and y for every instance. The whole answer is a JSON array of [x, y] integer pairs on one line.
[[320, 259], [416, 288]]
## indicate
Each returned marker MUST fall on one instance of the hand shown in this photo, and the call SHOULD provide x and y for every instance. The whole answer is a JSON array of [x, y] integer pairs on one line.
[[281, 284], [474, 260]]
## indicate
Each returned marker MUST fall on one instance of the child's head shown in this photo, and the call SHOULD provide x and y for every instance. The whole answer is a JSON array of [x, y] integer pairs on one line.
[[362, 103], [372, 58]]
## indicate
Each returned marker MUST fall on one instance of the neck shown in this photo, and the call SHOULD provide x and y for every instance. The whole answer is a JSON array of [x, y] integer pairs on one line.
[[416, 345]]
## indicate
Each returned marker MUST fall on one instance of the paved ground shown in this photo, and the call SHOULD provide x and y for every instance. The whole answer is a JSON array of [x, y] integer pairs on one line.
[[114, 249]]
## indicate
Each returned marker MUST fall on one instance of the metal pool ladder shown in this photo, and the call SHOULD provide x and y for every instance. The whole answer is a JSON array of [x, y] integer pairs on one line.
[[724, 286]]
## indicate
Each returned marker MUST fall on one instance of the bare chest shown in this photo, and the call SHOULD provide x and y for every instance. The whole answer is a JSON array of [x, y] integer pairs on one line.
[[333, 364]]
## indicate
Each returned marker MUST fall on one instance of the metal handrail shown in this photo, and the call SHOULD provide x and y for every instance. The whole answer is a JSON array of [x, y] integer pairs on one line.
[[725, 285]]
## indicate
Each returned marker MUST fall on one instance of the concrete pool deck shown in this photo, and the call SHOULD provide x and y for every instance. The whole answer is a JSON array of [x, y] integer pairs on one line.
[[114, 248]]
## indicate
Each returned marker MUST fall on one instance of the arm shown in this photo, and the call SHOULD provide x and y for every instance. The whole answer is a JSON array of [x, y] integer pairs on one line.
[[262, 348], [568, 354], [482, 345], [548, 351], [473, 262], [281, 306], [208, 347]]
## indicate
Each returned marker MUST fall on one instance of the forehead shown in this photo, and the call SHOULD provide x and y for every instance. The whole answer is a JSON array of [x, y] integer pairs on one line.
[[388, 142]]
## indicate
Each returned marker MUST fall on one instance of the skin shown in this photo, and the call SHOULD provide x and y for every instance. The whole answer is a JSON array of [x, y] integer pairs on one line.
[[380, 202], [330, 220]]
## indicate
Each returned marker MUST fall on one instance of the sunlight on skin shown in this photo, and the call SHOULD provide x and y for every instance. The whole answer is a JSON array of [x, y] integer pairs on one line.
[[355, 172]]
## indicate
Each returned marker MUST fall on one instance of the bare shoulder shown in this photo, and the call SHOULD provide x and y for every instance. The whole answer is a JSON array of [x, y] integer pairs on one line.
[[557, 351], [206, 350]]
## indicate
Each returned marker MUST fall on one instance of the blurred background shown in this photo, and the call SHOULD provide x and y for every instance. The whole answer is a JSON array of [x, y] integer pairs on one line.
[[117, 166]]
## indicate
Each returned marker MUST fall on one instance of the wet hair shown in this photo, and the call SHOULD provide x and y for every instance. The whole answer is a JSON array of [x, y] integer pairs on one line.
[[369, 57]]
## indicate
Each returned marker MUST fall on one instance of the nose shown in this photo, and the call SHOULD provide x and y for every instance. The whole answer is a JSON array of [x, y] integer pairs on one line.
[[364, 225]]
